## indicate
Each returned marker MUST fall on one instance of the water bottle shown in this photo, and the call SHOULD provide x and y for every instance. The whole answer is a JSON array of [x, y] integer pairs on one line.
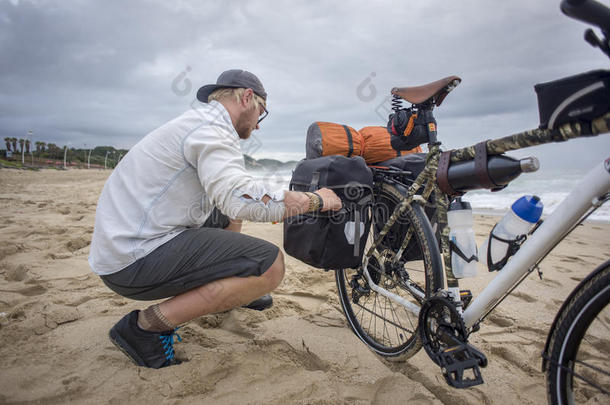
[[461, 239], [511, 231]]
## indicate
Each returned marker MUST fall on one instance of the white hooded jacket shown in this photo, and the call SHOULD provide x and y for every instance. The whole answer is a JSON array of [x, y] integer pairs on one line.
[[170, 181]]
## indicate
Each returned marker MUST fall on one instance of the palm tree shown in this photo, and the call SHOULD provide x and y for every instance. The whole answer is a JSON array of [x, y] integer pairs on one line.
[[21, 142], [52, 150], [27, 145], [8, 143], [14, 141], [39, 148]]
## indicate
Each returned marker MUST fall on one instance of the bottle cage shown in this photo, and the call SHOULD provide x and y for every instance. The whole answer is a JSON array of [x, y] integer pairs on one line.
[[455, 248], [513, 246]]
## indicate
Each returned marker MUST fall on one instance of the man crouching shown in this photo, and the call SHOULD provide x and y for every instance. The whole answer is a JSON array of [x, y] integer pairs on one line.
[[163, 227]]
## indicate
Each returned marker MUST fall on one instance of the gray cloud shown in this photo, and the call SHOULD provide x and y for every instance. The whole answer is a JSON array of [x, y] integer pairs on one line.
[[101, 72]]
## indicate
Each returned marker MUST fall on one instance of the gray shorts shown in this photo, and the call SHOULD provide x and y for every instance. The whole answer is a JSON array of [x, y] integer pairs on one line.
[[193, 258]]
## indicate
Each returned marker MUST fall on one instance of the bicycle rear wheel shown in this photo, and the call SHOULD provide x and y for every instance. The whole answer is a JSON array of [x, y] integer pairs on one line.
[[579, 350], [385, 326]]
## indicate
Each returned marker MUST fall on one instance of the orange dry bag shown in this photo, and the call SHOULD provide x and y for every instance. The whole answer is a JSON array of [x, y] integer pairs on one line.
[[377, 147], [327, 138]]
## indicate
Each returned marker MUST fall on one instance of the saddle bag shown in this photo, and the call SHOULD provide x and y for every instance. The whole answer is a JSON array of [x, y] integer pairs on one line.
[[333, 239], [410, 129], [327, 139], [582, 98], [378, 147]]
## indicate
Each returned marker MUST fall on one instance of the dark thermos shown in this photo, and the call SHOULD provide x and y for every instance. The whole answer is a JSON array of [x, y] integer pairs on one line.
[[502, 170]]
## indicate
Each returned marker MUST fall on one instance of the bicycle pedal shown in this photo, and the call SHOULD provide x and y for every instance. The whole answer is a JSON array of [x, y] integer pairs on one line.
[[461, 364], [465, 297]]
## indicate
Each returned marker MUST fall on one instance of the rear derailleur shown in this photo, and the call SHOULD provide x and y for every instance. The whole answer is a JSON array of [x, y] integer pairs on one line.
[[359, 287], [445, 339]]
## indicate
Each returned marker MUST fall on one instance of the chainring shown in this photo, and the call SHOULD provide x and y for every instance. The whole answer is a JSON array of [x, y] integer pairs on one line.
[[439, 312]]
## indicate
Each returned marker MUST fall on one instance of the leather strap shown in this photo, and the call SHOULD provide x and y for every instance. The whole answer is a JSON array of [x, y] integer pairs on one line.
[[442, 178], [480, 165]]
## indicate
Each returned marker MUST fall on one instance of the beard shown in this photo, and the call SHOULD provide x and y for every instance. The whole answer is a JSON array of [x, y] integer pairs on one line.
[[243, 126]]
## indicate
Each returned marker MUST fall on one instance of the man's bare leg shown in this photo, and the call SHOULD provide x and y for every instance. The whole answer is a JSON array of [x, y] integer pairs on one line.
[[222, 295]]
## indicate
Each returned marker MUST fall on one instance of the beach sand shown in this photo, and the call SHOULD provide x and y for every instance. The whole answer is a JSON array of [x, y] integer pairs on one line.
[[55, 315]]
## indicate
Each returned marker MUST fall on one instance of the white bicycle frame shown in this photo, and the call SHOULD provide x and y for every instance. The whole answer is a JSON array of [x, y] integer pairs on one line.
[[554, 228]]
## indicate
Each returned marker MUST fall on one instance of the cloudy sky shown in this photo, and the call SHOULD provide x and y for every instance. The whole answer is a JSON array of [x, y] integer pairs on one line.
[[107, 72]]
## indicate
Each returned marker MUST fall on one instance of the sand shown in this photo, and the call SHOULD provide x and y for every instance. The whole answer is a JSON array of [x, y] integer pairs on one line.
[[55, 315]]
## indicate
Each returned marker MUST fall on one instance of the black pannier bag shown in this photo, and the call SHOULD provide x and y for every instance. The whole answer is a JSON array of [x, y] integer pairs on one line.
[[582, 98], [329, 240]]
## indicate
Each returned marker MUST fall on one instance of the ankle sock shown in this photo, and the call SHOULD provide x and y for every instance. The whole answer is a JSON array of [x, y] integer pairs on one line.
[[152, 320]]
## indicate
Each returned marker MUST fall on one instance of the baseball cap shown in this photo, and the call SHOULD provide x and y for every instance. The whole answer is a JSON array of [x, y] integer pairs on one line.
[[235, 78]]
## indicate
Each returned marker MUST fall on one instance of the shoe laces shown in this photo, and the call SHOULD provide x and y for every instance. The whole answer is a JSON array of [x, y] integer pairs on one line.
[[167, 340]]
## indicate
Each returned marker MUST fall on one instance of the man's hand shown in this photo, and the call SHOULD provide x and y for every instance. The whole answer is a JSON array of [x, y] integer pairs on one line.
[[297, 202], [330, 200]]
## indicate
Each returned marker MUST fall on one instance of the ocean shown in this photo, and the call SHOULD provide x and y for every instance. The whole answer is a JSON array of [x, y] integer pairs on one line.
[[552, 186]]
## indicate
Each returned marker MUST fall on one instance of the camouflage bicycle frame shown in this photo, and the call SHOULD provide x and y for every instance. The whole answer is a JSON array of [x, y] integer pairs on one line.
[[427, 178]]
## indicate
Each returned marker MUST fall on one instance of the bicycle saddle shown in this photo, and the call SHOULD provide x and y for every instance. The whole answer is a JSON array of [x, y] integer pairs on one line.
[[435, 91]]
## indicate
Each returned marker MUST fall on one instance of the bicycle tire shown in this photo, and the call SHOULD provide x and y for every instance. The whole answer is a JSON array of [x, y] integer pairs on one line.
[[580, 341], [372, 315]]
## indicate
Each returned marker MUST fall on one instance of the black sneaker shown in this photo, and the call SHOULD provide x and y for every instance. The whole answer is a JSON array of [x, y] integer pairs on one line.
[[148, 349], [264, 302]]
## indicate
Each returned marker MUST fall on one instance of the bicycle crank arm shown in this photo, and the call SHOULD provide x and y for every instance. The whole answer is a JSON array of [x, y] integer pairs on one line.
[[445, 339], [379, 290]]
